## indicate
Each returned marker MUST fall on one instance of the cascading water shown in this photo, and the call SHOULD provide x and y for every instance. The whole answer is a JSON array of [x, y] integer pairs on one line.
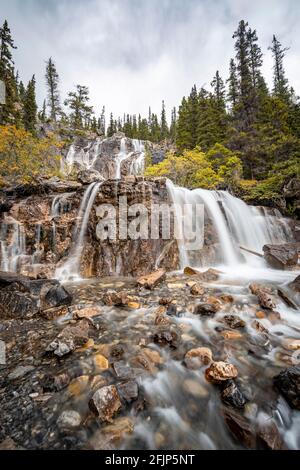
[[70, 270], [13, 252], [85, 158], [137, 166], [236, 224], [122, 155]]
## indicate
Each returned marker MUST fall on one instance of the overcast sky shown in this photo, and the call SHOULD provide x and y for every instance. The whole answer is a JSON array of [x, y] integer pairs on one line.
[[135, 53]]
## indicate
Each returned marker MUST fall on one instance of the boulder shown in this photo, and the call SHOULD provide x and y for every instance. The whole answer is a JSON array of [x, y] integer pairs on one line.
[[206, 276], [295, 285], [128, 391], [281, 256], [241, 429], [70, 338], [232, 396], [150, 281], [69, 419], [170, 336], [89, 176], [198, 357], [206, 309], [264, 296], [118, 299], [218, 372], [55, 296], [106, 403], [16, 304], [234, 322], [288, 384], [197, 289]]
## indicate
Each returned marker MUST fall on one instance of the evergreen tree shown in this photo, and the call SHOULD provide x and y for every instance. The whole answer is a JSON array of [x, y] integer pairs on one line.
[[281, 86], [173, 125], [78, 103], [30, 107], [164, 130], [102, 123], [52, 81], [219, 90], [111, 130], [245, 111], [43, 112], [9, 110], [233, 85]]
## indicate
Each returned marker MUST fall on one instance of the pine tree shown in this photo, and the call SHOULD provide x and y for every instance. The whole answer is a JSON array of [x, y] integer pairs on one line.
[[9, 110], [52, 81], [219, 90], [78, 104], [173, 125], [102, 124], [30, 107], [164, 130], [246, 104], [43, 113], [233, 85], [281, 85], [111, 128], [183, 133]]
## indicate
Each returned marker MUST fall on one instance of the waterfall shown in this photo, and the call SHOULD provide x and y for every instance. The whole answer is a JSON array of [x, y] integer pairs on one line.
[[236, 224], [85, 158], [71, 268], [137, 166], [122, 155], [14, 252]]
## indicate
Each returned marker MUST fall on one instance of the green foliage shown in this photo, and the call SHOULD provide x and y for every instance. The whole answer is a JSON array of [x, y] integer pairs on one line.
[[196, 169], [52, 81], [80, 110]]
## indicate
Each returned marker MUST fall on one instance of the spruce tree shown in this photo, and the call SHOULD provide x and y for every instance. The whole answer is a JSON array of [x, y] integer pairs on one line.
[[246, 104], [78, 103], [233, 85], [9, 110], [30, 107], [173, 125], [111, 128], [52, 82], [164, 130], [280, 83]]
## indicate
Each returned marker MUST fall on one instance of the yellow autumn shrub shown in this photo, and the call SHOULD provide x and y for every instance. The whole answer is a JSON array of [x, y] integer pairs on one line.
[[24, 158]]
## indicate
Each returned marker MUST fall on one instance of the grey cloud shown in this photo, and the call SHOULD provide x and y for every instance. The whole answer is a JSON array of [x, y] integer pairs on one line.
[[132, 53]]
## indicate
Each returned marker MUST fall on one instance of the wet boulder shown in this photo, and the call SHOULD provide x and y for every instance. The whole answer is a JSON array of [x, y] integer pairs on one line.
[[295, 285], [128, 391], [106, 403], [241, 429], [16, 304], [206, 309], [150, 281], [167, 336], [70, 338], [231, 395], [264, 295], [288, 384], [117, 299], [281, 256], [219, 372], [198, 357], [234, 321], [55, 296], [197, 289]]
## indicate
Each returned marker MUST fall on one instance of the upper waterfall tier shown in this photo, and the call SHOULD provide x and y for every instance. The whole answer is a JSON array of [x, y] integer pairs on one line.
[[113, 157]]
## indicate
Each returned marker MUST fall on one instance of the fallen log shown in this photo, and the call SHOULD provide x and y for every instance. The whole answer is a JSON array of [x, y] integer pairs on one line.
[[252, 252]]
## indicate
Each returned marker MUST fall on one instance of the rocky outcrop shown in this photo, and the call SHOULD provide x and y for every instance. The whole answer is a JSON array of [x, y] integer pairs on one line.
[[24, 297], [281, 256]]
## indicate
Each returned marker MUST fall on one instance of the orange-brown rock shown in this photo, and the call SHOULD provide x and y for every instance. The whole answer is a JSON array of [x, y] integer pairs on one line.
[[150, 281], [106, 403], [218, 372], [196, 358]]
